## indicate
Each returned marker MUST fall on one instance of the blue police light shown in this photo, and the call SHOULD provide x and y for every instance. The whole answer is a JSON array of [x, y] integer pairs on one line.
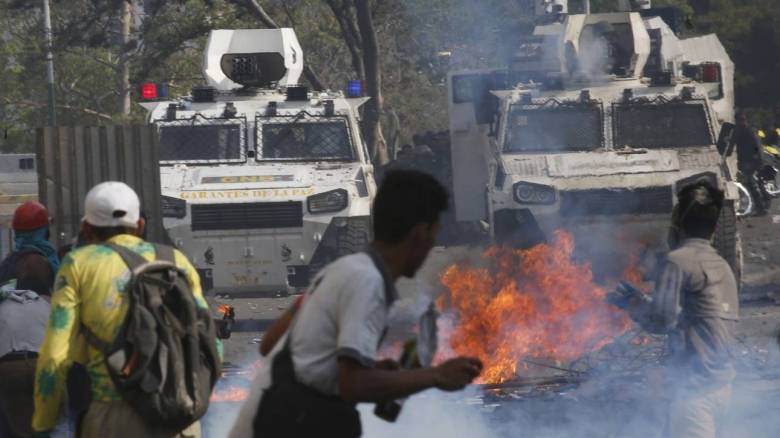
[[162, 90], [355, 89]]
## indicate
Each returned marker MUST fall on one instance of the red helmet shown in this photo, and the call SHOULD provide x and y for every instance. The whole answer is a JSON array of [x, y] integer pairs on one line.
[[30, 216]]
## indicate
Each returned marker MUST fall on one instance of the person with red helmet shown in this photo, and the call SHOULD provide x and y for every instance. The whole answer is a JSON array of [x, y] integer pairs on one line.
[[31, 239], [26, 282], [30, 216]]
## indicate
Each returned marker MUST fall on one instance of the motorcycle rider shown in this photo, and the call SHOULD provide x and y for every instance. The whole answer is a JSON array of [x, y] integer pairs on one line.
[[749, 163], [770, 135]]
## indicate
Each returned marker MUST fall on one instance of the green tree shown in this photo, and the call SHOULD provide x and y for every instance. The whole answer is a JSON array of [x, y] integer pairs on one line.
[[418, 43], [103, 50]]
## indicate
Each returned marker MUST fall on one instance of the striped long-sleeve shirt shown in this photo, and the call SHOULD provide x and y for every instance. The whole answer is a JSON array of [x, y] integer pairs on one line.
[[695, 301]]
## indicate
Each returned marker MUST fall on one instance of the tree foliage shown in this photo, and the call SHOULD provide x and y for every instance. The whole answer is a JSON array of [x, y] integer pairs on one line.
[[418, 42]]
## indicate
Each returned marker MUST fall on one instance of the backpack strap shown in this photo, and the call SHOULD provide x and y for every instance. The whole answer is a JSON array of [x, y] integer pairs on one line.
[[93, 340], [132, 259], [165, 253]]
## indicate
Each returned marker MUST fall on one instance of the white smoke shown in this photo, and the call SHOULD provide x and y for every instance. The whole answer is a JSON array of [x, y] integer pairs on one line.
[[594, 56], [432, 414]]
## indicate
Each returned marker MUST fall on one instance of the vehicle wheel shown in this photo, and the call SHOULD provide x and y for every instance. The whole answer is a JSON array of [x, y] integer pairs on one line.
[[727, 240], [745, 204], [353, 237]]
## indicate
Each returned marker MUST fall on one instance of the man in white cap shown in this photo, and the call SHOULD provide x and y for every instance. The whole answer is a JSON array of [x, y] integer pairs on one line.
[[90, 293]]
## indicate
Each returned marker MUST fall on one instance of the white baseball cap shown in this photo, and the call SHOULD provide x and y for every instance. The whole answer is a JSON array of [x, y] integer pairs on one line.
[[112, 204]]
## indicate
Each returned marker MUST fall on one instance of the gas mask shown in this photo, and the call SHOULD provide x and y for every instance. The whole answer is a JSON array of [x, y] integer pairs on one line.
[[702, 197]]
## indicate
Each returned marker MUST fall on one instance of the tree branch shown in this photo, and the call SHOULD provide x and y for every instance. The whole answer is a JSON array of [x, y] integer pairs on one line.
[[86, 54], [258, 11], [373, 108], [32, 104], [350, 34]]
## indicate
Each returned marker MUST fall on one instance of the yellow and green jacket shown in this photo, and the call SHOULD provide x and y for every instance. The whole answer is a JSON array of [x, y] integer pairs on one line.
[[90, 290]]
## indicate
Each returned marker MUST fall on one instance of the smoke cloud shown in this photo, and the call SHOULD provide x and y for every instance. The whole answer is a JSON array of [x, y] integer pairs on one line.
[[600, 407]]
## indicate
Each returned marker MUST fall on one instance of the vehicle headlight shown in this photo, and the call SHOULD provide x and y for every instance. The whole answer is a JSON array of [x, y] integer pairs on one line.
[[530, 193], [174, 207], [328, 202]]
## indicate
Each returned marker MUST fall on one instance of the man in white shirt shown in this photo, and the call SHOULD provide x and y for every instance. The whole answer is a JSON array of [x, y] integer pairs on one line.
[[328, 362]]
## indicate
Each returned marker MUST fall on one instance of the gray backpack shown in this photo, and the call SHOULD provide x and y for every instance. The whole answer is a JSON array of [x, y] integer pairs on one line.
[[164, 360]]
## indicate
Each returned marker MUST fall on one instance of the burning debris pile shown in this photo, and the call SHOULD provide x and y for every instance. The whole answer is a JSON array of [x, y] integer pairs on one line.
[[235, 382], [230, 394], [525, 305]]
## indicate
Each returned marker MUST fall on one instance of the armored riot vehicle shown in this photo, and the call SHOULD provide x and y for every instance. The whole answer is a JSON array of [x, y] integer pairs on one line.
[[263, 181], [592, 128]]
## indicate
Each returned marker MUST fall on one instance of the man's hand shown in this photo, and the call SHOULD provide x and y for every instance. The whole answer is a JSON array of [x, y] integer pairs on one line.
[[624, 295], [358, 383], [456, 373]]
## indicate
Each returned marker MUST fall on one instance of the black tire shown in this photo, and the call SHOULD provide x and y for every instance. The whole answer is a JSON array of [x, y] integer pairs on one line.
[[727, 240], [353, 237]]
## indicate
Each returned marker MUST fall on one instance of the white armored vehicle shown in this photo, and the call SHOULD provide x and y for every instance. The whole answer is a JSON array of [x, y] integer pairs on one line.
[[263, 182], [592, 128]]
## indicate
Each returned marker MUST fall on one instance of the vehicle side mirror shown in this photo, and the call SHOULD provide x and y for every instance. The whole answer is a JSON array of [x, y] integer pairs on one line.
[[726, 139]]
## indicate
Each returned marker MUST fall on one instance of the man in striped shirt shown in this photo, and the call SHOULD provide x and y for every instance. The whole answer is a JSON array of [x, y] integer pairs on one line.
[[695, 302]]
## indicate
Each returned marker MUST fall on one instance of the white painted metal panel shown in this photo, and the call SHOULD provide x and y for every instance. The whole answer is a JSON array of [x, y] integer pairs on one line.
[[612, 163]]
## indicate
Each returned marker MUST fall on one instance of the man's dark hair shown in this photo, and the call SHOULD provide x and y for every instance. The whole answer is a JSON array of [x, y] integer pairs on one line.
[[104, 233], [406, 198], [699, 205], [35, 284]]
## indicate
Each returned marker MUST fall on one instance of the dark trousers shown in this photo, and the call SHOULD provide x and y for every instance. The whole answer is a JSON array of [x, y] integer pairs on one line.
[[291, 409], [17, 383], [760, 198]]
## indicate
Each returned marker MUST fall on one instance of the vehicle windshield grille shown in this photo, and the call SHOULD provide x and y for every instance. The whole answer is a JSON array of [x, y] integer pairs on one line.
[[201, 140], [304, 138], [556, 129], [658, 126]]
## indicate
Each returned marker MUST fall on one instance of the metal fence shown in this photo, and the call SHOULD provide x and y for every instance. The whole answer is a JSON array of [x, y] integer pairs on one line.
[[6, 241], [71, 160], [303, 137], [202, 140], [662, 124], [555, 128]]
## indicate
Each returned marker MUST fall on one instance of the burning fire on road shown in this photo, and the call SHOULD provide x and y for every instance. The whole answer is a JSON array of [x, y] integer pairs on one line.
[[231, 394], [519, 309], [537, 304]]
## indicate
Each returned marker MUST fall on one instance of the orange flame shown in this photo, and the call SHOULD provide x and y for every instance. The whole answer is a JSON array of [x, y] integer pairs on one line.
[[535, 303], [232, 394], [632, 273], [225, 309]]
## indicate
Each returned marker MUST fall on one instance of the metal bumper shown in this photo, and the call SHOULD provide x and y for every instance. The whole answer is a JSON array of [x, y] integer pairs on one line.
[[271, 262]]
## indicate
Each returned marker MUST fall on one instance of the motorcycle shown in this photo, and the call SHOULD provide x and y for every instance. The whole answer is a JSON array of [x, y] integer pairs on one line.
[[745, 205], [765, 183], [770, 170]]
